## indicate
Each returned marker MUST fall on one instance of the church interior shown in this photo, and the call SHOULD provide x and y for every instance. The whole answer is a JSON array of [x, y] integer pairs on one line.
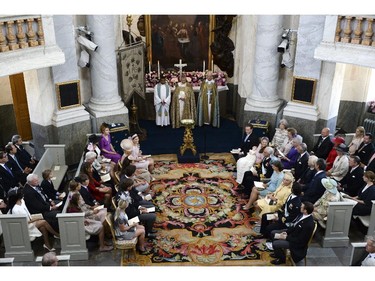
[[63, 76]]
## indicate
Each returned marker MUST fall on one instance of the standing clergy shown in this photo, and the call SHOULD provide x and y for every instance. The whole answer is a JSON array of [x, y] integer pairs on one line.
[[162, 100], [183, 103], [208, 103]]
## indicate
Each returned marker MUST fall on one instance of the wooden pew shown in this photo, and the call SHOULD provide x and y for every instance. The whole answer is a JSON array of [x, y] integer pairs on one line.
[[72, 235], [53, 158], [338, 224], [369, 221], [16, 237]]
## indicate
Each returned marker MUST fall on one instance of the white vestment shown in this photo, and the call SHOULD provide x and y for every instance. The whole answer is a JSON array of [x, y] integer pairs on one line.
[[162, 93]]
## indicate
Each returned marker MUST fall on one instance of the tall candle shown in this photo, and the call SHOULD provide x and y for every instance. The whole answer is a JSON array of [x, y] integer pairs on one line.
[[149, 67], [158, 70], [204, 65], [212, 65]]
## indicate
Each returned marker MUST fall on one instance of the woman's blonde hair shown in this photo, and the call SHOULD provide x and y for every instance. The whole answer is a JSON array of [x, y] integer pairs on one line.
[[121, 206]]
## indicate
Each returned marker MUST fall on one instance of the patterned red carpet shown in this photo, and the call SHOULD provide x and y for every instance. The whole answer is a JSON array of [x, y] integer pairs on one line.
[[199, 216]]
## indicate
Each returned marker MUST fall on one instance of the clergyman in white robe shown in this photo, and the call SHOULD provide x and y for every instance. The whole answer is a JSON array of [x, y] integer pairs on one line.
[[162, 101]]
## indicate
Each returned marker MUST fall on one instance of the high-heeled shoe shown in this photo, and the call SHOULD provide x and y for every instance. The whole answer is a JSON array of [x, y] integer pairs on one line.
[[48, 249], [247, 208]]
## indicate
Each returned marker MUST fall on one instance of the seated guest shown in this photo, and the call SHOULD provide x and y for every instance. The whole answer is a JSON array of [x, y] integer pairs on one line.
[[106, 146], [283, 218], [8, 179], [281, 135], [37, 227], [365, 196], [370, 249], [124, 231], [142, 174], [353, 180], [275, 181], [274, 201], [24, 157], [302, 161], [19, 171], [323, 145], [141, 161], [48, 187], [101, 192], [333, 153], [289, 160], [93, 145], [249, 141], [295, 238], [38, 202], [341, 164], [92, 227], [285, 148], [356, 140], [264, 142], [264, 170], [370, 166], [91, 212], [3, 200], [244, 164], [365, 149], [87, 196], [315, 189], [50, 259], [309, 173], [137, 206], [139, 184], [330, 195]]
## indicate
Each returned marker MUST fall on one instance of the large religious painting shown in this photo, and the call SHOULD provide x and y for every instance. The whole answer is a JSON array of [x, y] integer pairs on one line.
[[170, 38]]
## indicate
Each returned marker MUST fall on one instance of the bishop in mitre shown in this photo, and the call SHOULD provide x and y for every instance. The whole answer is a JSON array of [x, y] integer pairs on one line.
[[183, 103], [162, 101], [208, 112]]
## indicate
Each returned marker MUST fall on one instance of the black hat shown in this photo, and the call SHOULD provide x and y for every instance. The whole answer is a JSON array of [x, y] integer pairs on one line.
[[93, 138]]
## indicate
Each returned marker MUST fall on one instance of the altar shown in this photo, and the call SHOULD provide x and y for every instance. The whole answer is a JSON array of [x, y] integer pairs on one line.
[[146, 109]]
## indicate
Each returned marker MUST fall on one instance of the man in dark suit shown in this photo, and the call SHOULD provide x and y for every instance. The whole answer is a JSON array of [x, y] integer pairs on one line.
[[313, 191], [38, 202], [286, 215], [302, 161], [7, 177], [365, 196], [353, 181], [371, 163], [295, 238], [89, 199], [365, 149], [23, 156], [20, 171], [265, 169], [249, 140], [324, 144]]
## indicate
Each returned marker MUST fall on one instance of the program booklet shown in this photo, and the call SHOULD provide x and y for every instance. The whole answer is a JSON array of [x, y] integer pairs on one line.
[[259, 185], [151, 210], [105, 177], [133, 220], [36, 217], [99, 207]]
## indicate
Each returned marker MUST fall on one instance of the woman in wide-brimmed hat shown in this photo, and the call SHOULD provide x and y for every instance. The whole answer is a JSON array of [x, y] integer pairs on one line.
[[331, 194], [341, 164]]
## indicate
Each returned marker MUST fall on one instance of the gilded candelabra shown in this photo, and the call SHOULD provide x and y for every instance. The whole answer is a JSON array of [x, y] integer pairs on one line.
[[188, 137]]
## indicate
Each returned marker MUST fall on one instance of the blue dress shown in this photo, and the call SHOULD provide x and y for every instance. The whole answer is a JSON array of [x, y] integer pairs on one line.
[[275, 181]]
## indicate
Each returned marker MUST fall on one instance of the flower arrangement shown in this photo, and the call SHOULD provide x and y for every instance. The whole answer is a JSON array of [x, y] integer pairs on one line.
[[371, 107], [193, 77]]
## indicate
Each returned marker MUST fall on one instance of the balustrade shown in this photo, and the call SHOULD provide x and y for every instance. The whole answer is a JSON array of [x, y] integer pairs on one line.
[[355, 30], [20, 33]]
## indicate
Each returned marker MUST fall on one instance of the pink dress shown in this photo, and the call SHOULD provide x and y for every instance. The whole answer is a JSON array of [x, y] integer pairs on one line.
[[106, 144]]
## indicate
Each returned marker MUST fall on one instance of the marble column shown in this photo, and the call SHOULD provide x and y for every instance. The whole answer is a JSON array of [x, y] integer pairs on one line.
[[70, 126], [105, 104], [264, 102], [306, 117]]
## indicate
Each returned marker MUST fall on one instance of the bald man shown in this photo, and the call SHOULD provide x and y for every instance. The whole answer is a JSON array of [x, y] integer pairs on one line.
[[324, 144]]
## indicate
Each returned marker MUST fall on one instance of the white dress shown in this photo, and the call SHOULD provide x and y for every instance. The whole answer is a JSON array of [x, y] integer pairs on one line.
[[22, 210], [244, 164], [140, 164]]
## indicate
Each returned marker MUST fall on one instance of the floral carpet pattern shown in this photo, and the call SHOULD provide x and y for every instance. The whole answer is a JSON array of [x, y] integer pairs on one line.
[[199, 217]]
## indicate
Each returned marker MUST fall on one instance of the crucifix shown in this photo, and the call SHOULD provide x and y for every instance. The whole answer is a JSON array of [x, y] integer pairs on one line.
[[180, 66]]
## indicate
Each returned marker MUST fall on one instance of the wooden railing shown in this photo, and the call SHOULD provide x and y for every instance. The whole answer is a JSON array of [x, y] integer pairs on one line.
[[20, 32], [355, 30]]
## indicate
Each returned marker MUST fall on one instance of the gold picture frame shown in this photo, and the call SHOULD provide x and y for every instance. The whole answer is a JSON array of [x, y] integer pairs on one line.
[[303, 89], [203, 28], [68, 94]]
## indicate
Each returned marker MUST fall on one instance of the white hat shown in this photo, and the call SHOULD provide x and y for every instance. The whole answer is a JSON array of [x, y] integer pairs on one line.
[[126, 144]]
